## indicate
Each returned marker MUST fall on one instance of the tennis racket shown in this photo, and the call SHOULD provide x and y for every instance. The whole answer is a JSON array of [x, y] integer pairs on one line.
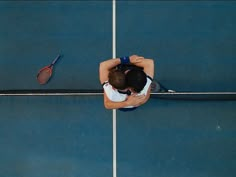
[[45, 73]]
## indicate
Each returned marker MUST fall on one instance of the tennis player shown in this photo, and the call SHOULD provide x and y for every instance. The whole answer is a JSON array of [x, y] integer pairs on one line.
[[126, 90]]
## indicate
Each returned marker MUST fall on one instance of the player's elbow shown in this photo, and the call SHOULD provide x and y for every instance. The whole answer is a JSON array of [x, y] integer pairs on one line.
[[151, 62], [149, 68], [101, 66], [107, 105]]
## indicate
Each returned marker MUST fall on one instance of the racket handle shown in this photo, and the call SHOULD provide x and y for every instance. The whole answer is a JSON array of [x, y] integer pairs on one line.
[[55, 60]]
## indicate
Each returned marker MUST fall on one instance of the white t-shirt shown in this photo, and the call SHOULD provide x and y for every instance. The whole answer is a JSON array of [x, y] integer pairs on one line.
[[114, 95]]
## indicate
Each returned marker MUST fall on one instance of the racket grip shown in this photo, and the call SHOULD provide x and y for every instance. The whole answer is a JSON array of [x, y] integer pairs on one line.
[[55, 60]]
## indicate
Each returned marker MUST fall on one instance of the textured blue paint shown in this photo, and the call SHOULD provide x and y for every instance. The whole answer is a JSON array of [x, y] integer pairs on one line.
[[177, 138], [33, 33], [192, 43], [55, 136]]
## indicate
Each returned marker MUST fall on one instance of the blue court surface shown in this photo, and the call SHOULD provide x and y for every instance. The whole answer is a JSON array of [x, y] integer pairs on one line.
[[193, 46]]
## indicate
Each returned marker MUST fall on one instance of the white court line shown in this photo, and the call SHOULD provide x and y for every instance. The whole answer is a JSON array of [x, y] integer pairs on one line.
[[114, 143], [113, 28], [114, 110]]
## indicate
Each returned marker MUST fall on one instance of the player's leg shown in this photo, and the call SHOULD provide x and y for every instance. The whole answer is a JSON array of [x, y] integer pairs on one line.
[[158, 87]]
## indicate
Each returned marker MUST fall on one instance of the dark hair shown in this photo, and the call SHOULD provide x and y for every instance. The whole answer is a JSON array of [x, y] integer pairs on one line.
[[136, 79], [117, 79]]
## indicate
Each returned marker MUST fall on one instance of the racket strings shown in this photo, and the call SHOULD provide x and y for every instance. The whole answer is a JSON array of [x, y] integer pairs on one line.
[[44, 75]]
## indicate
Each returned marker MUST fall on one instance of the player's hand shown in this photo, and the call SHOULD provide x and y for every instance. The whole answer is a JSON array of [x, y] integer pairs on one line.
[[134, 100], [135, 59]]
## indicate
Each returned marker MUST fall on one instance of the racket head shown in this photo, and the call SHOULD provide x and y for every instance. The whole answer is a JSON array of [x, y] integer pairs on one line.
[[44, 74]]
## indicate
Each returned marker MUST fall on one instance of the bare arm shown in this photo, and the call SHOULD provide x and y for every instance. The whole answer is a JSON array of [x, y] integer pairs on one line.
[[105, 67], [146, 64], [132, 100], [148, 68], [147, 96]]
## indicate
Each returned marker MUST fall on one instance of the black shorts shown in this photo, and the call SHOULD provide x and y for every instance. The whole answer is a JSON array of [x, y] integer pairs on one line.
[[127, 109]]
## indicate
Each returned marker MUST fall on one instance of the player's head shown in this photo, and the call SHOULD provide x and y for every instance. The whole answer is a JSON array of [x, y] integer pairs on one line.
[[117, 79], [136, 79]]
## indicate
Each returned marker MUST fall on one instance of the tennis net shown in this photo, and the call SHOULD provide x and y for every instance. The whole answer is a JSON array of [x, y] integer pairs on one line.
[[91, 92]]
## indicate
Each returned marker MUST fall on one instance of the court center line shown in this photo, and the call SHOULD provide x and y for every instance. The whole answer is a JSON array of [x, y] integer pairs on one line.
[[114, 110]]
